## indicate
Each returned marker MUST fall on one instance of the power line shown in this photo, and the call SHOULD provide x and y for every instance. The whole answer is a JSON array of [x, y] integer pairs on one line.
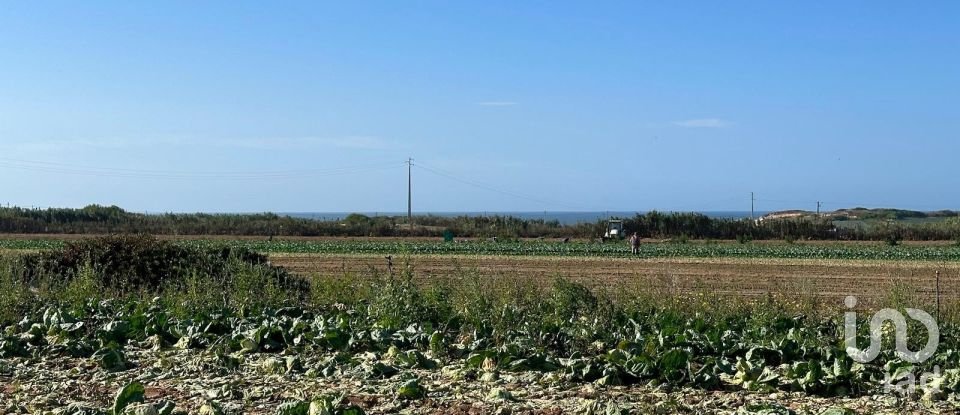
[[784, 201], [484, 186], [119, 172], [63, 168]]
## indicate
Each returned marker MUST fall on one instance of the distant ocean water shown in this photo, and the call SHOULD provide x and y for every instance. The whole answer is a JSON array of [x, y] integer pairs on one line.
[[566, 218]]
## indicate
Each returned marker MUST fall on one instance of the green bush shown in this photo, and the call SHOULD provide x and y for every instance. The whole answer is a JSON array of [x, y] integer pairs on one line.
[[893, 238], [681, 239], [133, 263]]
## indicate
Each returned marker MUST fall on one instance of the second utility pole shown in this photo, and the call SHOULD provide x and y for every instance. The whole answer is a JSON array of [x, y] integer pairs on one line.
[[410, 194]]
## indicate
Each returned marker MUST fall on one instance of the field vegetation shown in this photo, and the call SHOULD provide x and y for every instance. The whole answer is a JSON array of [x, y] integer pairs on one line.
[[111, 220], [899, 252], [104, 326]]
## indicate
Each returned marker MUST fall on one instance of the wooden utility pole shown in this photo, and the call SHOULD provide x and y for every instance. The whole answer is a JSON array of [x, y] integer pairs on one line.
[[410, 193]]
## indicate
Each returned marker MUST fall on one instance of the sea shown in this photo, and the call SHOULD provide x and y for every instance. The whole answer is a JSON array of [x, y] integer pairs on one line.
[[566, 218]]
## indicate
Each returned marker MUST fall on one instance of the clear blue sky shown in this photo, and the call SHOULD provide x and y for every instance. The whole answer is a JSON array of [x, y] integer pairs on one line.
[[199, 106]]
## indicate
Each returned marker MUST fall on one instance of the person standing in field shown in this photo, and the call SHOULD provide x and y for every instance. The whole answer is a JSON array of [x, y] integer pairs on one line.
[[635, 243]]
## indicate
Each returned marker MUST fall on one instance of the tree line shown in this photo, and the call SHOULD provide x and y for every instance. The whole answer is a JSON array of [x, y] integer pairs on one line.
[[95, 219]]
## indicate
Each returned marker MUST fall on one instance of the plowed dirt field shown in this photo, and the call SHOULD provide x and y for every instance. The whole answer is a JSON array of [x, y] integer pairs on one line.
[[827, 279]]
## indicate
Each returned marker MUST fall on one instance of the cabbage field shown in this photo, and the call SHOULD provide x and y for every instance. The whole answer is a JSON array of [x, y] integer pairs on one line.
[[140, 326], [112, 357], [576, 249]]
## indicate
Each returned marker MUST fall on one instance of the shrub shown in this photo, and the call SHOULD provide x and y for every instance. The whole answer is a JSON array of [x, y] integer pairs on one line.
[[131, 263], [893, 238]]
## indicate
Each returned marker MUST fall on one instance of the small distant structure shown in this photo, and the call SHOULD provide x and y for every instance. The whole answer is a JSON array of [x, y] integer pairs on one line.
[[614, 230]]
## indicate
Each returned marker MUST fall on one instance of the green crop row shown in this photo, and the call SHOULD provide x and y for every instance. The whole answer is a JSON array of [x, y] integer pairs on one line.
[[927, 253], [659, 250]]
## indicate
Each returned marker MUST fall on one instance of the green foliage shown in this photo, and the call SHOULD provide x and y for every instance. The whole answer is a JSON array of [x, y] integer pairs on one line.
[[539, 248], [14, 293], [397, 302], [111, 359], [486, 326], [893, 214], [132, 392], [121, 264], [333, 405], [564, 328], [681, 239], [893, 238], [411, 389], [109, 220], [294, 408]]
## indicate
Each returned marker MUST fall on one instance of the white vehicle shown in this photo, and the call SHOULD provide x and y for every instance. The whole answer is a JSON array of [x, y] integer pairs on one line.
[[614, 230]]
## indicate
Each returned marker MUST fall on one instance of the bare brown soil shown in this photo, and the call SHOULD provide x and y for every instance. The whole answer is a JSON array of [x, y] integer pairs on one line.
[[829, 280]]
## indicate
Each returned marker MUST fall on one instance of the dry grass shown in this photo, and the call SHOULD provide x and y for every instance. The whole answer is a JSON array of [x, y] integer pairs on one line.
[[822, 280]]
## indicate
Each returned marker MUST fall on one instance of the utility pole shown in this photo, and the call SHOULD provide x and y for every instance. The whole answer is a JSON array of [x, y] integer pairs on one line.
[[752, 199], [410, 193]]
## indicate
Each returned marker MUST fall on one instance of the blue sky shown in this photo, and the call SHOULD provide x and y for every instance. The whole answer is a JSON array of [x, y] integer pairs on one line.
[[310, 106]]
